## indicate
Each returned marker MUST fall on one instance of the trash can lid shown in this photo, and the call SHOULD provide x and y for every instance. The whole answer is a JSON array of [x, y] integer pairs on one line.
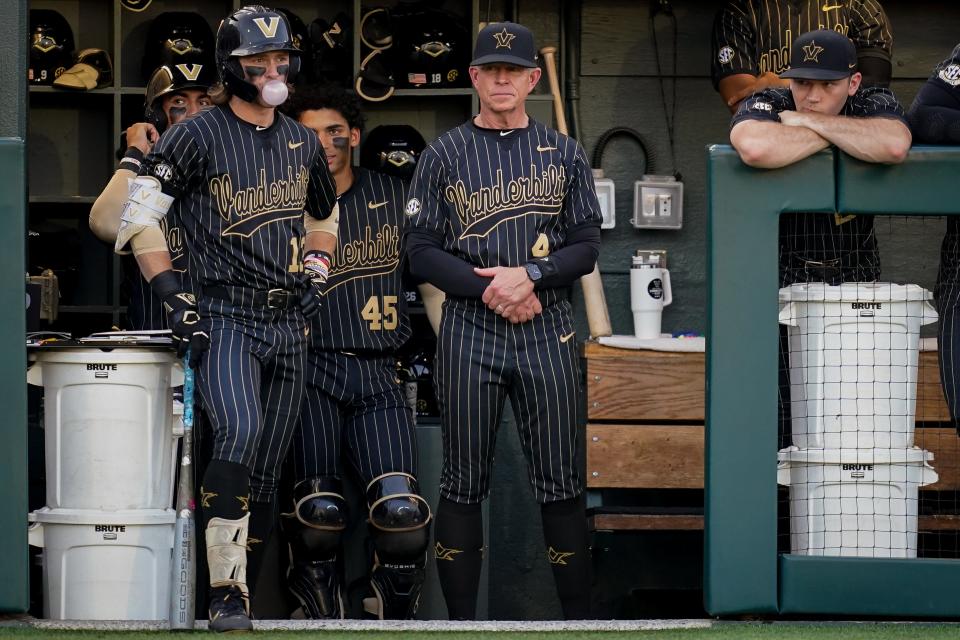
[[854, 292], [154, 339], [96, 516], [854, 456]]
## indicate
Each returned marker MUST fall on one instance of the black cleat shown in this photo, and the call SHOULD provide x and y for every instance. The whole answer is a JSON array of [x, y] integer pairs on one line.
[[229, 609], [316, 585]]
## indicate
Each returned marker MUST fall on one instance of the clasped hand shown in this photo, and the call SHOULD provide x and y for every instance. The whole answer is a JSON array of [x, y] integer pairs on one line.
[[510, 294]]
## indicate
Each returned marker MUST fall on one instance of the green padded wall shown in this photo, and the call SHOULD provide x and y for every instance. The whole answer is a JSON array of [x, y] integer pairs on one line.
[[742, 571], [740, 561], [14, 592]]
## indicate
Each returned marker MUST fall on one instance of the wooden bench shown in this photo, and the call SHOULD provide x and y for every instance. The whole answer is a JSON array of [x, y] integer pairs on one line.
[[645, 431]]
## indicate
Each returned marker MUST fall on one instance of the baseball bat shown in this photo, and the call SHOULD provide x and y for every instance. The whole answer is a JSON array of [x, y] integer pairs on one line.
[[598, 316], [184, 564]]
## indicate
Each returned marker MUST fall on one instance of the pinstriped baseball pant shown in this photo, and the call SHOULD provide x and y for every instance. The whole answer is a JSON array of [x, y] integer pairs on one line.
[[356, 398], [481, 360], [251, 382]]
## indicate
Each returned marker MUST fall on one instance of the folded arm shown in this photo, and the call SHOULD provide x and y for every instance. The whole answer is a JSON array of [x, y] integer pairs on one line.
[[736, 88], [882, 140], [770, 145]]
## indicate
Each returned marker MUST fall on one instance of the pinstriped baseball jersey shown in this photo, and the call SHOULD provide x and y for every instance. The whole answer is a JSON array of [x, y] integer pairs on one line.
[[817, 247], [755, 36], [246, 190], [502, 198], [364, 308]]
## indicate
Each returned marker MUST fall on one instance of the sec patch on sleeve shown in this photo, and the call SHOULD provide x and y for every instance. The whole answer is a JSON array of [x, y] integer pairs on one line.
[[725, 55], [413, 207], [950, 74]]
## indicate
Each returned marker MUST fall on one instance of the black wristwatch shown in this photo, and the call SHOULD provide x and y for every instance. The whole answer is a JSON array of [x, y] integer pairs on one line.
[[533, 272]]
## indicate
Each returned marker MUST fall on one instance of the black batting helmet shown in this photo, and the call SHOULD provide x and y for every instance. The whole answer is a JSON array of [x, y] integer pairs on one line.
[[248, 31], [51, 46], [430, 49], [299, 32], [172, 36], [198, 73], [392, 149]]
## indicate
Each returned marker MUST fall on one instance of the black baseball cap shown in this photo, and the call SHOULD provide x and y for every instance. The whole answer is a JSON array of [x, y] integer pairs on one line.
[[507, 43], [822, 55]]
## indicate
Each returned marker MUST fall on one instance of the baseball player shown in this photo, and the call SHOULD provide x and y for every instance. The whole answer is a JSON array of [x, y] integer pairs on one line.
[[752, 41], [174, 93], [353, 397], [825, 105], [503, 217], [934, 118], [240, 176]]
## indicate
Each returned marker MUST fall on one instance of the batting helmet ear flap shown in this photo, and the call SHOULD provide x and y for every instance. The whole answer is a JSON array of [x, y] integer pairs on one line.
[[294, 67], [156, 116]]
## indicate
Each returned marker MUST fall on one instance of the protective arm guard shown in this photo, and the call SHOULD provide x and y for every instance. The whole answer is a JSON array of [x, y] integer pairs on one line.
[[146, 205]]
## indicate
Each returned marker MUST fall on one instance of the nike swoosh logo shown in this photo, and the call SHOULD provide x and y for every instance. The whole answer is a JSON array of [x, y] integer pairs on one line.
[[259, 128], [539, 148], [376, 205], [567, 337], [506, 133], [831, 7], [851, 66], [294, 145]]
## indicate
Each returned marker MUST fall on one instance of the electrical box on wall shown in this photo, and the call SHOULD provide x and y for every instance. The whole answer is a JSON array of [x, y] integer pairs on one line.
[[607, 199], [657, 203]]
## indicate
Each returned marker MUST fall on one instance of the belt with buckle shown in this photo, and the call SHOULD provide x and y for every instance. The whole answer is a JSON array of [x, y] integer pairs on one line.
[[273, 299]]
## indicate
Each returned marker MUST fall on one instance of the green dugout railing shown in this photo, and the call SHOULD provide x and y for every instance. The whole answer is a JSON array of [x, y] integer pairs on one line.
[[743, 572]]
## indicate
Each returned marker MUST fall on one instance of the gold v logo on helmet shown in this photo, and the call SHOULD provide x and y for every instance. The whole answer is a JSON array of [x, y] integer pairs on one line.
[[190, 71], [180, 45], [268, 26]]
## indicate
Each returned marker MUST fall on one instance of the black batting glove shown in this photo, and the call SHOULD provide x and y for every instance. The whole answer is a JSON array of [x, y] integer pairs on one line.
[[183, 320], [312, 298]]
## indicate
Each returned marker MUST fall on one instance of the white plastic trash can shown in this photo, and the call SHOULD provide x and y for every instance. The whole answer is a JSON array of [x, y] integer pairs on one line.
[[853, 362], [109, 426], [104, 565], [854, 502]]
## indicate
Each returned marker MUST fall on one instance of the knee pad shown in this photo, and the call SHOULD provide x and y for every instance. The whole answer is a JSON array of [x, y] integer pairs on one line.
[[318, 519], [399, 517]]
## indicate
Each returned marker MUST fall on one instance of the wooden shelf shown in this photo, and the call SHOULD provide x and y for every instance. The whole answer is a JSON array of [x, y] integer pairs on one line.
[[42, 88], [422, 93], [644, 522], [62, 199], [86, 308]]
